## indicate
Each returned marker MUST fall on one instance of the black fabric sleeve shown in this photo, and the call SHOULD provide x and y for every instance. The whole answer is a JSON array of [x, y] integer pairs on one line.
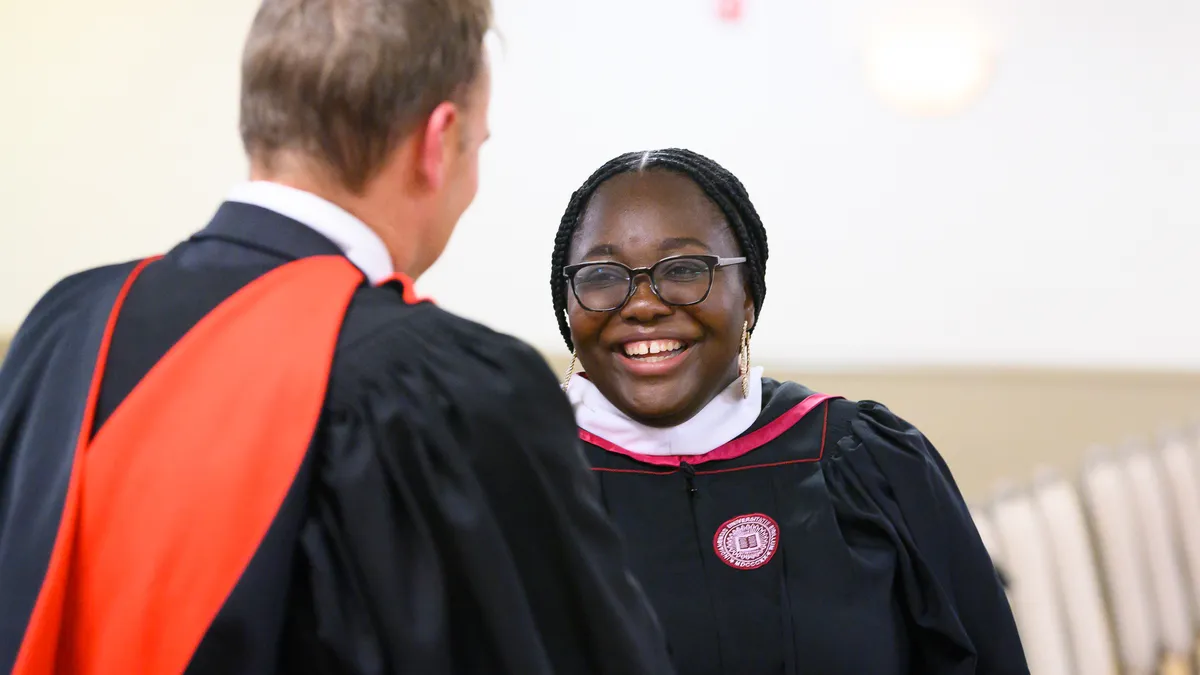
[[892, 476], [455, 528]]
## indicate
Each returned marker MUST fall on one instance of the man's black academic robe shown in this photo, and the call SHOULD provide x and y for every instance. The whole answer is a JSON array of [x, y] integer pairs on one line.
[[442, 521]]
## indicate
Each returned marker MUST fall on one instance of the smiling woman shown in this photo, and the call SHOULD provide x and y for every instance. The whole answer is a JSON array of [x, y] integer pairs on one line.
[[776, 530], [659, 225]]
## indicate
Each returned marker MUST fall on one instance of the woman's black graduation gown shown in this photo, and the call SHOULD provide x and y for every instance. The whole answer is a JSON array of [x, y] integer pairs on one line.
[[859, 555]]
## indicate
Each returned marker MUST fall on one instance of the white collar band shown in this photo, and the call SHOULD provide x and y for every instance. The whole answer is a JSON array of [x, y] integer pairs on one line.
[[724, 418]]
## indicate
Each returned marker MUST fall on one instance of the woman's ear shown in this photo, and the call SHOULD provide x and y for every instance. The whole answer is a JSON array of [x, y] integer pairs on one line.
[[750, 316]]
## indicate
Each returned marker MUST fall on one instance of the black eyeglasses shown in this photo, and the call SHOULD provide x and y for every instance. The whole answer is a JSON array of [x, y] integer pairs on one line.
[[679, 280]]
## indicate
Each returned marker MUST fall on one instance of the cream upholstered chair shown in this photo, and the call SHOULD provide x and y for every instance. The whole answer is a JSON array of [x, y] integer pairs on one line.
[[987, 532], [1123, 564], [1034, 593], [1192, 438], [991, 541], [1092, 646], [1183, 478], [1171, 594]]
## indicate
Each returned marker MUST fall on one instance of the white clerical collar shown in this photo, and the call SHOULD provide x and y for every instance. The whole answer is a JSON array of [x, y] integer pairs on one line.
[[358, 242], [725, 418]]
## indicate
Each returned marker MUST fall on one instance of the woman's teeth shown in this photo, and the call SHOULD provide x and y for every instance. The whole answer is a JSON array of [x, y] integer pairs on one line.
[[653, 350]]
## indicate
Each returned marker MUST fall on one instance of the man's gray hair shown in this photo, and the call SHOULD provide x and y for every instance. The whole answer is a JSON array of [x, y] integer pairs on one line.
[[343, 81]]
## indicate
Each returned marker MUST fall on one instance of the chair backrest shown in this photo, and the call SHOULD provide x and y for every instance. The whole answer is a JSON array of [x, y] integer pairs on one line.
[[1157, 525], [1183, 478], [988, 533], [1093, 649], [1034, 593], [1122, 564], [991, 541]]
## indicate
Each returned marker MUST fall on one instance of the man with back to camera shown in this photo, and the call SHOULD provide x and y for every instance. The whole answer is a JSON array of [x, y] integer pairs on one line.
[[263, 453]]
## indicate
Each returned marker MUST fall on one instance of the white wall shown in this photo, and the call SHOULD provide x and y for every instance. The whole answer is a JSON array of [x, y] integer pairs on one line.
[[1055, 222]]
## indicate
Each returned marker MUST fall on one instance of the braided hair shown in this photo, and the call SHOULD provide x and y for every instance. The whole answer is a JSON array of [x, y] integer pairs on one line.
[[721, 186]]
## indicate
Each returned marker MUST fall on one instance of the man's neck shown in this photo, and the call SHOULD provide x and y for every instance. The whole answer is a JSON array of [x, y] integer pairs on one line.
[[377, 212]]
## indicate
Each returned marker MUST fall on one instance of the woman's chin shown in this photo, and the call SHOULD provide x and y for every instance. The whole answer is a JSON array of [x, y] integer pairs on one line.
[[652, 406]]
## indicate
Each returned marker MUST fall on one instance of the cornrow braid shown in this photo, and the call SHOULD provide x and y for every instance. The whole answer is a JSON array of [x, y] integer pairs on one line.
[[721, 186]]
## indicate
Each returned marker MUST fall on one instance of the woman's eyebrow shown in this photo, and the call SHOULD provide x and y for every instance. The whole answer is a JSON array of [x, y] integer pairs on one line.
[[600, 250], [672, 243]]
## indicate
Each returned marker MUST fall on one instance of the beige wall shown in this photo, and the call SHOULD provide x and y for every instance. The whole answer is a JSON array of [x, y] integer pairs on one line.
[[993, 425]]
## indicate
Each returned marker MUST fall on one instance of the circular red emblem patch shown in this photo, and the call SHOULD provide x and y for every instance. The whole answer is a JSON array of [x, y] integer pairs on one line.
[[747, 542]]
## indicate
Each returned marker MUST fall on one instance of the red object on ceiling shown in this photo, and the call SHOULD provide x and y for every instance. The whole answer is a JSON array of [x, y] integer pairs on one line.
[[730, 10]]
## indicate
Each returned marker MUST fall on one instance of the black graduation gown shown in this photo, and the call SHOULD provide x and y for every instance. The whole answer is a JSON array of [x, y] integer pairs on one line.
[[443, 521], [847, 548]]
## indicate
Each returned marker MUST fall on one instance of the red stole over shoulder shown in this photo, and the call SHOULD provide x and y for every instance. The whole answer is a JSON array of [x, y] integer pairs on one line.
[[168, 503]]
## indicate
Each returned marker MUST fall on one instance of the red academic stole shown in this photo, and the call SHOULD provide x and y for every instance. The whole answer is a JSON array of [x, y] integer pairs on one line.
[[169, 502]]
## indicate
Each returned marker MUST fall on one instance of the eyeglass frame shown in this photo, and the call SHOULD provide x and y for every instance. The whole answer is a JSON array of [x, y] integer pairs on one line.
[[713, 262]]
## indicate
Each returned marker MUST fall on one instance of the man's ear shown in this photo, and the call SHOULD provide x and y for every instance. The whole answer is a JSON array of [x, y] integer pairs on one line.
[[438, 140]]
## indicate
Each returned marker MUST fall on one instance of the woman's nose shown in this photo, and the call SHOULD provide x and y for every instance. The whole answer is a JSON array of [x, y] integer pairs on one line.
[[644, 304]]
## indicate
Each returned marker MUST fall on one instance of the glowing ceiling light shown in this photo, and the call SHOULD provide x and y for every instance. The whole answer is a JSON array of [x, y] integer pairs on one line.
[[928, 63]]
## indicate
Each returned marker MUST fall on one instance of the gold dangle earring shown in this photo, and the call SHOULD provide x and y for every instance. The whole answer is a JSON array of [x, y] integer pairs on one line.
[[744, 360], [570, 371]]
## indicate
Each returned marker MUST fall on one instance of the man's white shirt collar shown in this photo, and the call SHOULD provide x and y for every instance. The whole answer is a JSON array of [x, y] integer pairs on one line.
[[358, 242]]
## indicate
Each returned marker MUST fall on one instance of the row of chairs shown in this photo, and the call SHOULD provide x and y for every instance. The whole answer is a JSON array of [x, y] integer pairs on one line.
[[1104, 571]]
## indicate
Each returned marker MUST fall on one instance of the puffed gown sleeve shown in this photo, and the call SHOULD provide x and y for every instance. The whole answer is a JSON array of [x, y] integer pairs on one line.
[[885, 476]]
